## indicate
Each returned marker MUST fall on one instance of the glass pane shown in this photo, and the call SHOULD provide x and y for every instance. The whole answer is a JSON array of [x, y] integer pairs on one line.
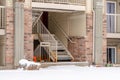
[[111, 17], [110, 23], [113, 55], [110, 8]]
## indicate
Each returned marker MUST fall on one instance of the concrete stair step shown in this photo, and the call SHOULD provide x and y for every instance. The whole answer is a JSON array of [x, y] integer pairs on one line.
[[64, 57], [62, 53]]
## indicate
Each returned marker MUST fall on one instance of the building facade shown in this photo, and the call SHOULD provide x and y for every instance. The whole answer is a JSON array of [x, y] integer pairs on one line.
[[59, 30]]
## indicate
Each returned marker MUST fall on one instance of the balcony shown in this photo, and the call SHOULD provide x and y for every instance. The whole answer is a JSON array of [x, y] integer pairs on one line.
[[113, 25], [69, 5]]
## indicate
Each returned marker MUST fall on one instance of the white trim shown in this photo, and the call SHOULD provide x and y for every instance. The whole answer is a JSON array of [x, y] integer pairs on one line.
[[2, 31], [2, 6], [51, 7], [113, 35], [112, 14], [115, 51]]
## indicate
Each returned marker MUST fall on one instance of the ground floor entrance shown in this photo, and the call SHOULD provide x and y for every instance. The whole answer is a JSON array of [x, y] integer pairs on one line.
[[111, 55], [113, 50], [52, 31]]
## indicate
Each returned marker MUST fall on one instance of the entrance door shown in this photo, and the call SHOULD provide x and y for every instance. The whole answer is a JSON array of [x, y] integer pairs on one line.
[[111, 54]]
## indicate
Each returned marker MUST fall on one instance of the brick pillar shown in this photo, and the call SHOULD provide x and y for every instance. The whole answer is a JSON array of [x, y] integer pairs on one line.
[[28, 38], [89, 37], [104, 39], [9, 46], [78, 49]]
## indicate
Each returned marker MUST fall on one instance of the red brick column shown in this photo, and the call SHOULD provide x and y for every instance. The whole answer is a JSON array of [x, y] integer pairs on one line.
[[28, 38], [104, 39], [9, 50], [89, 37], [78, 49]]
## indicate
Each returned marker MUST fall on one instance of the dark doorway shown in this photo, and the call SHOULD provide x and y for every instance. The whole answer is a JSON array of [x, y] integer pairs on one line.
[[111, 52]]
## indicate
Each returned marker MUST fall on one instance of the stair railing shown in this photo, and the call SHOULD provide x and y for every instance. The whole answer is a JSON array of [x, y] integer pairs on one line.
[[37, 51], [47, 37], [44, 37], [36, 20], [59, 27], [61, 33]]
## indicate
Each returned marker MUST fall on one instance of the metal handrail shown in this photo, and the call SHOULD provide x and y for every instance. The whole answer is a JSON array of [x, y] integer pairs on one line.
[[61, 29], [46, 37], [34, 23], [67, 2], [37, 50]]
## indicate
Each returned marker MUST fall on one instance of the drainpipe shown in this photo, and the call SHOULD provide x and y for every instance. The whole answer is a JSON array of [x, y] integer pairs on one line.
[[93, 33]]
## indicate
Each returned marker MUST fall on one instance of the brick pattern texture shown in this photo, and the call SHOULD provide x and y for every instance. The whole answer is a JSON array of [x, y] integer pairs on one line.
[[104, 39], [28, 38], [9, 50], [77, 49], [89, 38]]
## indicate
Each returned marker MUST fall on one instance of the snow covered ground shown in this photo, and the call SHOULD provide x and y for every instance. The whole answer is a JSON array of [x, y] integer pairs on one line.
[[70, 72]]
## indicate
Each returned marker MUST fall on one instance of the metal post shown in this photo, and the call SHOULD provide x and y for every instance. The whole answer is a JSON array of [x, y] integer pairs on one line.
[[98, 31], [19, 32]]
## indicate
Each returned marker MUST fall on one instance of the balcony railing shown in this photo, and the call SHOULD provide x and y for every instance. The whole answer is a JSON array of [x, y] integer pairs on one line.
[[2, 17], [113, 23], [68, 2]]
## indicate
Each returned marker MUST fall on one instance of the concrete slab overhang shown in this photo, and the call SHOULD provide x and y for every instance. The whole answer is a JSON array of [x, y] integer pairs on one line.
[[113, 35], [57, 7]]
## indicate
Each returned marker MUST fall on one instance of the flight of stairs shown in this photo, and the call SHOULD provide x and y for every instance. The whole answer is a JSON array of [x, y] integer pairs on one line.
[[44, 36], [62, 52]]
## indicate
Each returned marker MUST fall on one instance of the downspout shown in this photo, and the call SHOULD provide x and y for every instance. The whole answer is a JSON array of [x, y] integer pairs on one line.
[[93, 35], [93, 59]]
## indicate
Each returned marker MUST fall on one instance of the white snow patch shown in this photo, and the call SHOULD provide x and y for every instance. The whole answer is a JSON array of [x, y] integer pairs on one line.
[[25, 63], [63, 73]]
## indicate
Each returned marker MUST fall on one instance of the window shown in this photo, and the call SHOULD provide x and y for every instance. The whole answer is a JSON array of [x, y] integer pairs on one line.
[[111, 18]]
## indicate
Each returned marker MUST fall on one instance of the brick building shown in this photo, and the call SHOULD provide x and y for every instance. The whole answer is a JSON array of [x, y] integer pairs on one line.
[[59, 30]]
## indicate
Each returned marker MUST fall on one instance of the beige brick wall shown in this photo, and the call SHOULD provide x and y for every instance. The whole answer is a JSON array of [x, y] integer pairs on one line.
[[9, 51], [89, 37], [104, 39], [28, 38], [77, 49]]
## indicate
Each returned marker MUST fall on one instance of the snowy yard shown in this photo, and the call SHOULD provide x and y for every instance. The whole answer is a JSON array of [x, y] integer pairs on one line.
[[70, 72]]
